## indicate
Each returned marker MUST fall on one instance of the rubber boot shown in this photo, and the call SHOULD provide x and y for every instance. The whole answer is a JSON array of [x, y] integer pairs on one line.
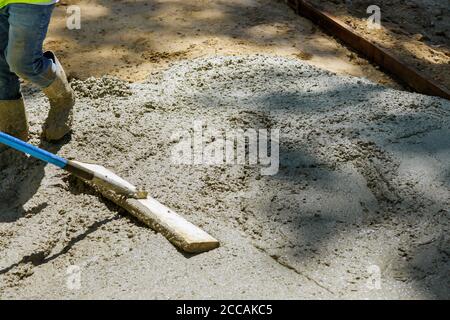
[[13, 118], [62, 100], [13, 121]]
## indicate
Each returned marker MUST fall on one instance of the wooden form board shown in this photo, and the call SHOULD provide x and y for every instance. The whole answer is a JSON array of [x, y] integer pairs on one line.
[[180, 232], [370, 50]]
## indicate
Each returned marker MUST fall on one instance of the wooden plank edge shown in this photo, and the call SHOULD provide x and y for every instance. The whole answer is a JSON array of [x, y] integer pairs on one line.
[[180, 232], [333, 26]]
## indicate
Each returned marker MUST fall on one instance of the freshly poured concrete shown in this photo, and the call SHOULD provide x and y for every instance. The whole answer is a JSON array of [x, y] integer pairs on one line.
[[358, 209]]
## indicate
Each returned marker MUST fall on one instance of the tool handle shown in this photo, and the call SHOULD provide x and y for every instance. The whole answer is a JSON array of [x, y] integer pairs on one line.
[[33, 151]]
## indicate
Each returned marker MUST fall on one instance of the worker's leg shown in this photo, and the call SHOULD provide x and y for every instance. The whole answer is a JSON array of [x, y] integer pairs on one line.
[[28, 25], [27, 32], [13, 119], [9, 82]]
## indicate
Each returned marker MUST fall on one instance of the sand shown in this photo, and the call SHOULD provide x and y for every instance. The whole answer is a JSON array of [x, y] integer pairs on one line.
[[358, 209], [416, 31], [131, 41]]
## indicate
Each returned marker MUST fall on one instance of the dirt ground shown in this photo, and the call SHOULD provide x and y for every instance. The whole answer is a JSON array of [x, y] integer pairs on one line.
[[129, 39], [415, 31], [358, 209]]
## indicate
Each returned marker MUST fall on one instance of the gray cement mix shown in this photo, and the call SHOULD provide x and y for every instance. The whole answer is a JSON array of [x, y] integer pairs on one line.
[[358, 209]]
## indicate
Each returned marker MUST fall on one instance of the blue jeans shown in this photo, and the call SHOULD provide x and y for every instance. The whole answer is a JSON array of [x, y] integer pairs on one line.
[[23, 28]]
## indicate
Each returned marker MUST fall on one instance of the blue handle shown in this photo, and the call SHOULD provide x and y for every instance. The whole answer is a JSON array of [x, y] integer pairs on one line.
[[32, 150]]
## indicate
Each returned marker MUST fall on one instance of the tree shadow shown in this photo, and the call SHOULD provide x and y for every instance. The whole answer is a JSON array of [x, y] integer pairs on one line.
[[21, 177], [144, 35], [149, 32], [354, 174], [385, 198], [41, 257], [76, 187]]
